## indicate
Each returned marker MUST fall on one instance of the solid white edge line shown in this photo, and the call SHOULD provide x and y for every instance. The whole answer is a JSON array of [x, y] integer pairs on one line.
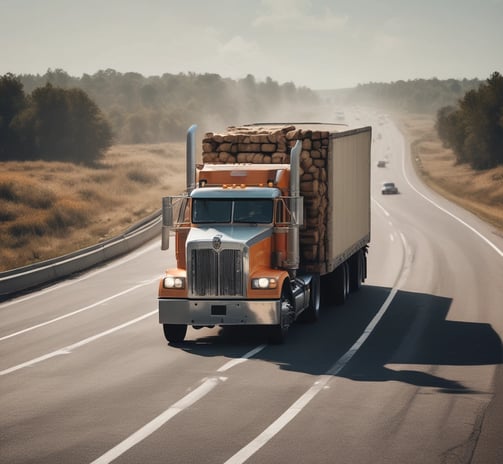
[[475, 231], [244, 453], [73, 313], [69, 348], [88, 274], [251, 448]]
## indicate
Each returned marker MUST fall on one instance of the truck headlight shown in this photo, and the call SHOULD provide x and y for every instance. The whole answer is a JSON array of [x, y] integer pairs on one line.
[[262, 283], [174, 282]]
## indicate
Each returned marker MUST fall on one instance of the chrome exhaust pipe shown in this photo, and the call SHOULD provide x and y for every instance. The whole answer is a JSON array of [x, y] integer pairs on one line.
[[167, 206], [293, 253], [295, 169], [191, 158]]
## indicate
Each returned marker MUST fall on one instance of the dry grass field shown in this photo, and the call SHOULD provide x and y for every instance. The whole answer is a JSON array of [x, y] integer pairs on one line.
[[48, 209], [480, 192]]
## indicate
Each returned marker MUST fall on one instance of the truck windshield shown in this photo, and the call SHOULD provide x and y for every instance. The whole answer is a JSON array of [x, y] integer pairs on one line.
[[253, 211], [232, 211]]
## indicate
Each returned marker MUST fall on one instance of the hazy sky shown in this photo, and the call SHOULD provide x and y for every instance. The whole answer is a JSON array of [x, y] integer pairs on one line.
[[321, 44]]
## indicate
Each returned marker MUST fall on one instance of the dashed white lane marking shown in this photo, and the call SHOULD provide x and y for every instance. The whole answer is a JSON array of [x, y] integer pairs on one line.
[[235, 362], [73, 313], [87, 275], [159, 421], [188, 400], [68, 349], [381, 207], [387, 214]]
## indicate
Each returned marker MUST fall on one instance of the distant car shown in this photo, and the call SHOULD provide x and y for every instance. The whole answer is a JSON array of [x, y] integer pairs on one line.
[[389, 188], [381, 164]]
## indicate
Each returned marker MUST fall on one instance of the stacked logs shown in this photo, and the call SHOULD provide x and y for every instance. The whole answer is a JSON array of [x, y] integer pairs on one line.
[[271, 144]]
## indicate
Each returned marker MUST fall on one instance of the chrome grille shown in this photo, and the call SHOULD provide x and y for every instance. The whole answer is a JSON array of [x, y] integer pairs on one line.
[[216, 273]]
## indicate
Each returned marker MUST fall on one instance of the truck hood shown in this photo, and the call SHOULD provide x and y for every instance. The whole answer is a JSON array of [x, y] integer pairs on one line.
[[230, 234]]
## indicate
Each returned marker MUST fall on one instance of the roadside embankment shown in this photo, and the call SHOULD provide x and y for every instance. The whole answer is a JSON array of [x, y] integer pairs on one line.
[[49, 209], [480, 192]]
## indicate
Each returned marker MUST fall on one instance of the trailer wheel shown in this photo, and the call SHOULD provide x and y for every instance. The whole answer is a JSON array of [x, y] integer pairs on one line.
[[312, 312], [174, 333], [279, 332], [356, 271], [341, 275], [348, 283]]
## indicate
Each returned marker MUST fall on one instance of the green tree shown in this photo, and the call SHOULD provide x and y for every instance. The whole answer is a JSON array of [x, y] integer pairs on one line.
[[492, 97], [64, 125], [90, 131], [52, 123], [12, 102], [450, 127], [474, 130]]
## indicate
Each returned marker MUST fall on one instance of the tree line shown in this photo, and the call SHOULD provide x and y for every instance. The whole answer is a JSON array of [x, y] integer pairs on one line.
[[414, 96], [61, 117], [469, 112], [58, 116], [161, 108], [473, 128], [51, 123]]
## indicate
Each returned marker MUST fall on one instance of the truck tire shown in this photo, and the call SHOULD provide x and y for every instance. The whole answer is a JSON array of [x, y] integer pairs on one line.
[[279, 332], [174, 333], [356, 270], [312, 312], [341, 284]]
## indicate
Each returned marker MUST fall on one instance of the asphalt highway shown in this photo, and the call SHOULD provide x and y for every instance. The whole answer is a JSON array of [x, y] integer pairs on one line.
[[409, 370]]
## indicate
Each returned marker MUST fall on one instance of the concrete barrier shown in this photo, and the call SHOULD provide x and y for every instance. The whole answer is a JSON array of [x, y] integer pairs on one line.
[[24, 278]]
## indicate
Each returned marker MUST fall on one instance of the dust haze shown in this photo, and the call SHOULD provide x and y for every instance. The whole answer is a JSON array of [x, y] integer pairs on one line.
[[319, 108]]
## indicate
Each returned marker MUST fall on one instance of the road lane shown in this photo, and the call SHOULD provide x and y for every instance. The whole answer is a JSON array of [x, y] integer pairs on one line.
[[421, 387], [118, 384], [418, 390]]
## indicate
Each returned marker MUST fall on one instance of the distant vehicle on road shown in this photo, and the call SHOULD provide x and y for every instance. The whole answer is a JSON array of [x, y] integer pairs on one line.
[[389, 188], [381, 164]]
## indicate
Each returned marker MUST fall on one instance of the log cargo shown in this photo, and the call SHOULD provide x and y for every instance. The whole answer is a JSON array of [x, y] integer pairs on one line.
[[255, 144]]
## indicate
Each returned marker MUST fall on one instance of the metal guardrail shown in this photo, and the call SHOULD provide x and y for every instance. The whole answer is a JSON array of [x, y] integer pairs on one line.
[[24, 278]]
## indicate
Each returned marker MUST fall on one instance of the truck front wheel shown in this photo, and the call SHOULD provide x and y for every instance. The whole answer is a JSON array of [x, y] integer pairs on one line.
[[174, 333]]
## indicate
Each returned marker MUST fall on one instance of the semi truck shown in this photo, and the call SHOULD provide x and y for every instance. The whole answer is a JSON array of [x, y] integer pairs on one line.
[[274, 221]]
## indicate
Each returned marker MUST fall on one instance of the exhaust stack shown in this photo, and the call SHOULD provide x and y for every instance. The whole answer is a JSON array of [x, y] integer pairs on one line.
[[167, 202], [191, 158], [293, 253]]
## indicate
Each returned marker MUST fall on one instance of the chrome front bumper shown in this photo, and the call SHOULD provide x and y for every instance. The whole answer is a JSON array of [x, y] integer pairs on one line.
[[219, 312]]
